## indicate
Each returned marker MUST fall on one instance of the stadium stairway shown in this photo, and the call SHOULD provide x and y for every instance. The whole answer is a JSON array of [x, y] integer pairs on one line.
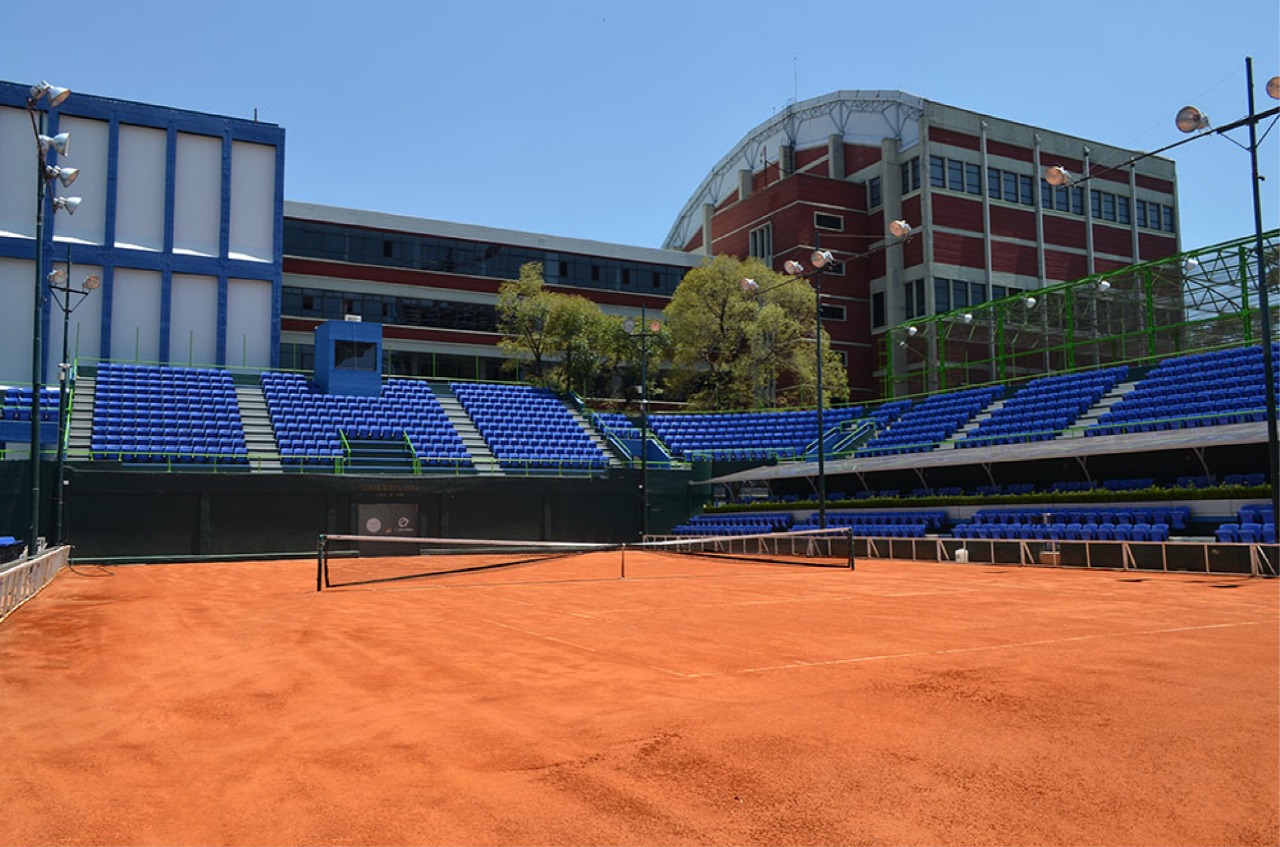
[[80, 419], [482, 458], [378, 456], [259, 438], [971, 425], [1104, 404], [597, 438]]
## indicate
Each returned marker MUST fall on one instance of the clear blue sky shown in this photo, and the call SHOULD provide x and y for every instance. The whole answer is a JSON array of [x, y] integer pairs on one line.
[[599, 119]]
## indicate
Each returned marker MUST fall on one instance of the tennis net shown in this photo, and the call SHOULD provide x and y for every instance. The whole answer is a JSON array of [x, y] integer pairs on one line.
[[360, 560]]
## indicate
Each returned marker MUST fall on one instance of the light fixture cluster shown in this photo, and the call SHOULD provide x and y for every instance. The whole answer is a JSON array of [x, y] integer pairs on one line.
[[60, 144]]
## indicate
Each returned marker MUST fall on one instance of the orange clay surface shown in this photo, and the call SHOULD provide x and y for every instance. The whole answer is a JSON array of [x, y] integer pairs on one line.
[[902, 703]]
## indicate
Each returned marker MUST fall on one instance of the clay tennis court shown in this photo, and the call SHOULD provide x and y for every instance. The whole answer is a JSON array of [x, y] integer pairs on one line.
[[691, 703]]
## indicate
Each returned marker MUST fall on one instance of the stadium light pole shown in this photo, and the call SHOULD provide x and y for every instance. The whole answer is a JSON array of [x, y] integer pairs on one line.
[[45, 174], [644, 330], [1194, 122], [821, 259], [58, 283]]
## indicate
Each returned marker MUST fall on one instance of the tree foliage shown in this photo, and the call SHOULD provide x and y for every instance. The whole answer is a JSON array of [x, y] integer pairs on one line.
[[734, 346], [561, 341]]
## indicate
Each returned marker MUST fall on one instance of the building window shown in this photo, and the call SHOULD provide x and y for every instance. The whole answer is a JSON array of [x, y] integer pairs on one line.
[[760, 244], [911, 176], [875, 197], [825, 221], [941, 296], [833, 313], [955, 175], [877, 308], [913, 298], [937, 172]]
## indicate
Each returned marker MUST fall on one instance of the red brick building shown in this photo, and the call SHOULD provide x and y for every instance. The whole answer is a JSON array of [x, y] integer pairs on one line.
[[835, 170]]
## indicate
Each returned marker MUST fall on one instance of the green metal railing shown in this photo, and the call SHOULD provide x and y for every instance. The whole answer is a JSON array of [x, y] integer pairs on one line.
[[1193, 302]]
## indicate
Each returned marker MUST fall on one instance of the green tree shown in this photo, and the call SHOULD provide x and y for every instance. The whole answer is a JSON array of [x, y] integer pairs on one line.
[[736, 346], [561, 341], [524, 307]]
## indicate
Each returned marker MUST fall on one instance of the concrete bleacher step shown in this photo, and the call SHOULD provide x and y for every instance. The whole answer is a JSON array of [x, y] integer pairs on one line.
[[259, 437], [1091, 415], [482, 458], [379, 456], [972, 424], [596, 438], [80, 420]]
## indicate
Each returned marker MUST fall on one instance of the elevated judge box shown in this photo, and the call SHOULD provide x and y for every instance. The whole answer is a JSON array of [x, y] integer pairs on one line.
[[349, 358]]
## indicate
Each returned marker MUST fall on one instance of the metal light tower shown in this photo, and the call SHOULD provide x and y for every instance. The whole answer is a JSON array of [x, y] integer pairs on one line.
[[45, 174]]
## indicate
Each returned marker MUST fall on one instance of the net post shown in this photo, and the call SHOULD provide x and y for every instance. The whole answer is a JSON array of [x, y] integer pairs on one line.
[[852, 565], [320, 563], [622, 563]]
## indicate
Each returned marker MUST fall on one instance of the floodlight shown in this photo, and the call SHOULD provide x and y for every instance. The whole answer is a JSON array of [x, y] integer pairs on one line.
[[91, 282], [1191, 119], [1031, 302], [821, 258], [1057, 176], [748, 284], [1273, 88], [1104, 286], [70, 204], [57, 276], [792, 267], [967, 318], [56, 94], [899, 229], [911, 330], [60, 143], [66, 176]]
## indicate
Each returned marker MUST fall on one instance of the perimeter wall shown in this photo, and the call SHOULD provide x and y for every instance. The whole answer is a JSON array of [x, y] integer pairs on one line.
[[131, 514]]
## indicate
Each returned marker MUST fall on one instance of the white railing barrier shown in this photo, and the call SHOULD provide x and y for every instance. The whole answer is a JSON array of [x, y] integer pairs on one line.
[[22, 580]]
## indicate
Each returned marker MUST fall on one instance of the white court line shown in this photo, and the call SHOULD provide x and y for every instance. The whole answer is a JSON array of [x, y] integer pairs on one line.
[[797, 665]]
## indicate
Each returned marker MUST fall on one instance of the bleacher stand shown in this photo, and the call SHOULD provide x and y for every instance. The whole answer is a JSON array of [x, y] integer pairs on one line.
[[1088, 524], [931, 422], [898, 524], [1254, 524], [1204, 389], [527, 427], [746, 436], [15, 404], [162, 414], [1044, 408], [754, 523], [308, 422]]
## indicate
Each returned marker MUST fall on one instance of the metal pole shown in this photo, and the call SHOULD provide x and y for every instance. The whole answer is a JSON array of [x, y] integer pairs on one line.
[[1268, 365], [644, 423], [822, 447], [37, 343], [64, 367]]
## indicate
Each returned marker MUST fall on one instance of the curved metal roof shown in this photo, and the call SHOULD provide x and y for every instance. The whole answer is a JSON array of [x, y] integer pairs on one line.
[[860, 117]]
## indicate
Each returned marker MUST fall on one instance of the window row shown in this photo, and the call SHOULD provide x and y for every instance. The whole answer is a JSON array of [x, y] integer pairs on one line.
[[948, 295], [1019, 188], [388, 309], [315, 239]]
